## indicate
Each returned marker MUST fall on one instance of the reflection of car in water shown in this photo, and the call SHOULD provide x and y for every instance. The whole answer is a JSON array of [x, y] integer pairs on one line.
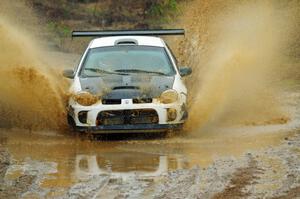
[[123, 165], [127, 80]]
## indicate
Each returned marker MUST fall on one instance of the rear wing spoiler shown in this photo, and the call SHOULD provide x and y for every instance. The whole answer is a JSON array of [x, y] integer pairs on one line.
[[106, 33]]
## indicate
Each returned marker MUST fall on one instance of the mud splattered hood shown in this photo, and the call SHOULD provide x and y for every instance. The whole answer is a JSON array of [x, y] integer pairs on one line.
[[127, 86]]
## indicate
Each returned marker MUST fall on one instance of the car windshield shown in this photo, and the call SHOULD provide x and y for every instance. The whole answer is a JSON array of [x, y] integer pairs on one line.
[[124, 60]]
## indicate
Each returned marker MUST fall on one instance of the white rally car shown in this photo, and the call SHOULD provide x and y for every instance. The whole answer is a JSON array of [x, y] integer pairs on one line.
[[127, 81]]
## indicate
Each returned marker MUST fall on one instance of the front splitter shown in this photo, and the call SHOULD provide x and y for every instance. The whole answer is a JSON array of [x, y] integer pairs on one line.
[[130, 128]]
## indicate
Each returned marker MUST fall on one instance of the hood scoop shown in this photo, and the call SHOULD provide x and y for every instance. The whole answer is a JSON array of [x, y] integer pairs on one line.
[[125, 87]]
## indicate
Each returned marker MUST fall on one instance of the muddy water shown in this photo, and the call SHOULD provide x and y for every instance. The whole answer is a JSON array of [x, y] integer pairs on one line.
[[31, 88], [62, 160], [235, 56], [238, 51], [232, 112]]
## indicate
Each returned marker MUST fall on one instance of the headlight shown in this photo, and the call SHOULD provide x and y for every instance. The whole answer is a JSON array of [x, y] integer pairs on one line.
[[85, 98], [171, 114], [169, 96]]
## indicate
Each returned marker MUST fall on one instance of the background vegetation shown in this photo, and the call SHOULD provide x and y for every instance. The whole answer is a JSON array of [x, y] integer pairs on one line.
[[63, 16]]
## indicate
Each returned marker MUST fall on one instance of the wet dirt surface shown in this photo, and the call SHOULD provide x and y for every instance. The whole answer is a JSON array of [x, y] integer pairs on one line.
[[238, 147], [221, 163]]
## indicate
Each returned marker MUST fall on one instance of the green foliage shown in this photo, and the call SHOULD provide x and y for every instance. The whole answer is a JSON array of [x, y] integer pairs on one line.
[[161, 8], [60, 29]]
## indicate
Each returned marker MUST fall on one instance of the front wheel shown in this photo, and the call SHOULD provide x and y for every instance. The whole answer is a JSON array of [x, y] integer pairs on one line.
[[71, 123]]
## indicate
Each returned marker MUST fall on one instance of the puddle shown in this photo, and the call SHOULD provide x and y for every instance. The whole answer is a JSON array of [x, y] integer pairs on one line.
[[63, 160]]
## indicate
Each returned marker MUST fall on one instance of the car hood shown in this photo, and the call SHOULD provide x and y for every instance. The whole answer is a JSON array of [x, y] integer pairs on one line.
[[127, 86]]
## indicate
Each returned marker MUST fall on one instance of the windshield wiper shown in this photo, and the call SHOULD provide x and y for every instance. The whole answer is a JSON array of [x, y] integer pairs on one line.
[[97, 70], [139, 71]]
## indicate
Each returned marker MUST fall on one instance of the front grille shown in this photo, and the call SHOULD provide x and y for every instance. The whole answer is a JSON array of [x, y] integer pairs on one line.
[[135, 101], [121, 117], [111, 101], [142, 100]]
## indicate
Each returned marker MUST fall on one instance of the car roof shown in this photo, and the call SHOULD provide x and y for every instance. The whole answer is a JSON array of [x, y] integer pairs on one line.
[[141, 40]]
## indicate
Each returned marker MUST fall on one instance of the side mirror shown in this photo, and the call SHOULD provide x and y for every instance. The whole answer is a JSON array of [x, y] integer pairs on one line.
[[185, 71], [69, 73]]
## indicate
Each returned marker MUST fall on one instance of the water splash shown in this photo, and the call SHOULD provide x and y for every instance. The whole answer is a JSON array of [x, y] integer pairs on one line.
[[237, 50], [31, 90]]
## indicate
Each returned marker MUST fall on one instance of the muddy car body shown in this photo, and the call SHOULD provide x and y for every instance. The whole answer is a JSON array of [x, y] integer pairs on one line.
[[127, 82]]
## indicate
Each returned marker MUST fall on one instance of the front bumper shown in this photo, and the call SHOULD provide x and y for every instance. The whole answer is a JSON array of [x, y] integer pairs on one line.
[[136, 128], [94, 110], [92, 113]]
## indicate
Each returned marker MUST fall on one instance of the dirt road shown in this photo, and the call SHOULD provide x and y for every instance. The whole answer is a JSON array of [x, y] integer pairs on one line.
[[252, 162], [241, 141], [255, 161]]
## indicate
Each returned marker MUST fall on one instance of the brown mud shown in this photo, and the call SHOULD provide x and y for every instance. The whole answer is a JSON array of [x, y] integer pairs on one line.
[[238, 51], [244, 115], [32, 91], [241, 178], [62, 166]]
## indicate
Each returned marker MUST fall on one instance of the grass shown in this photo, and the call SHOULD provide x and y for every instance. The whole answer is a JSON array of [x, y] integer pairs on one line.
[[60, 29], [163, 11], [62, 18]]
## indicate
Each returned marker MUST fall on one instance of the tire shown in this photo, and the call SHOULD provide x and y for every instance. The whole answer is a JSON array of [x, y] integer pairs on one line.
[[71, 123]]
